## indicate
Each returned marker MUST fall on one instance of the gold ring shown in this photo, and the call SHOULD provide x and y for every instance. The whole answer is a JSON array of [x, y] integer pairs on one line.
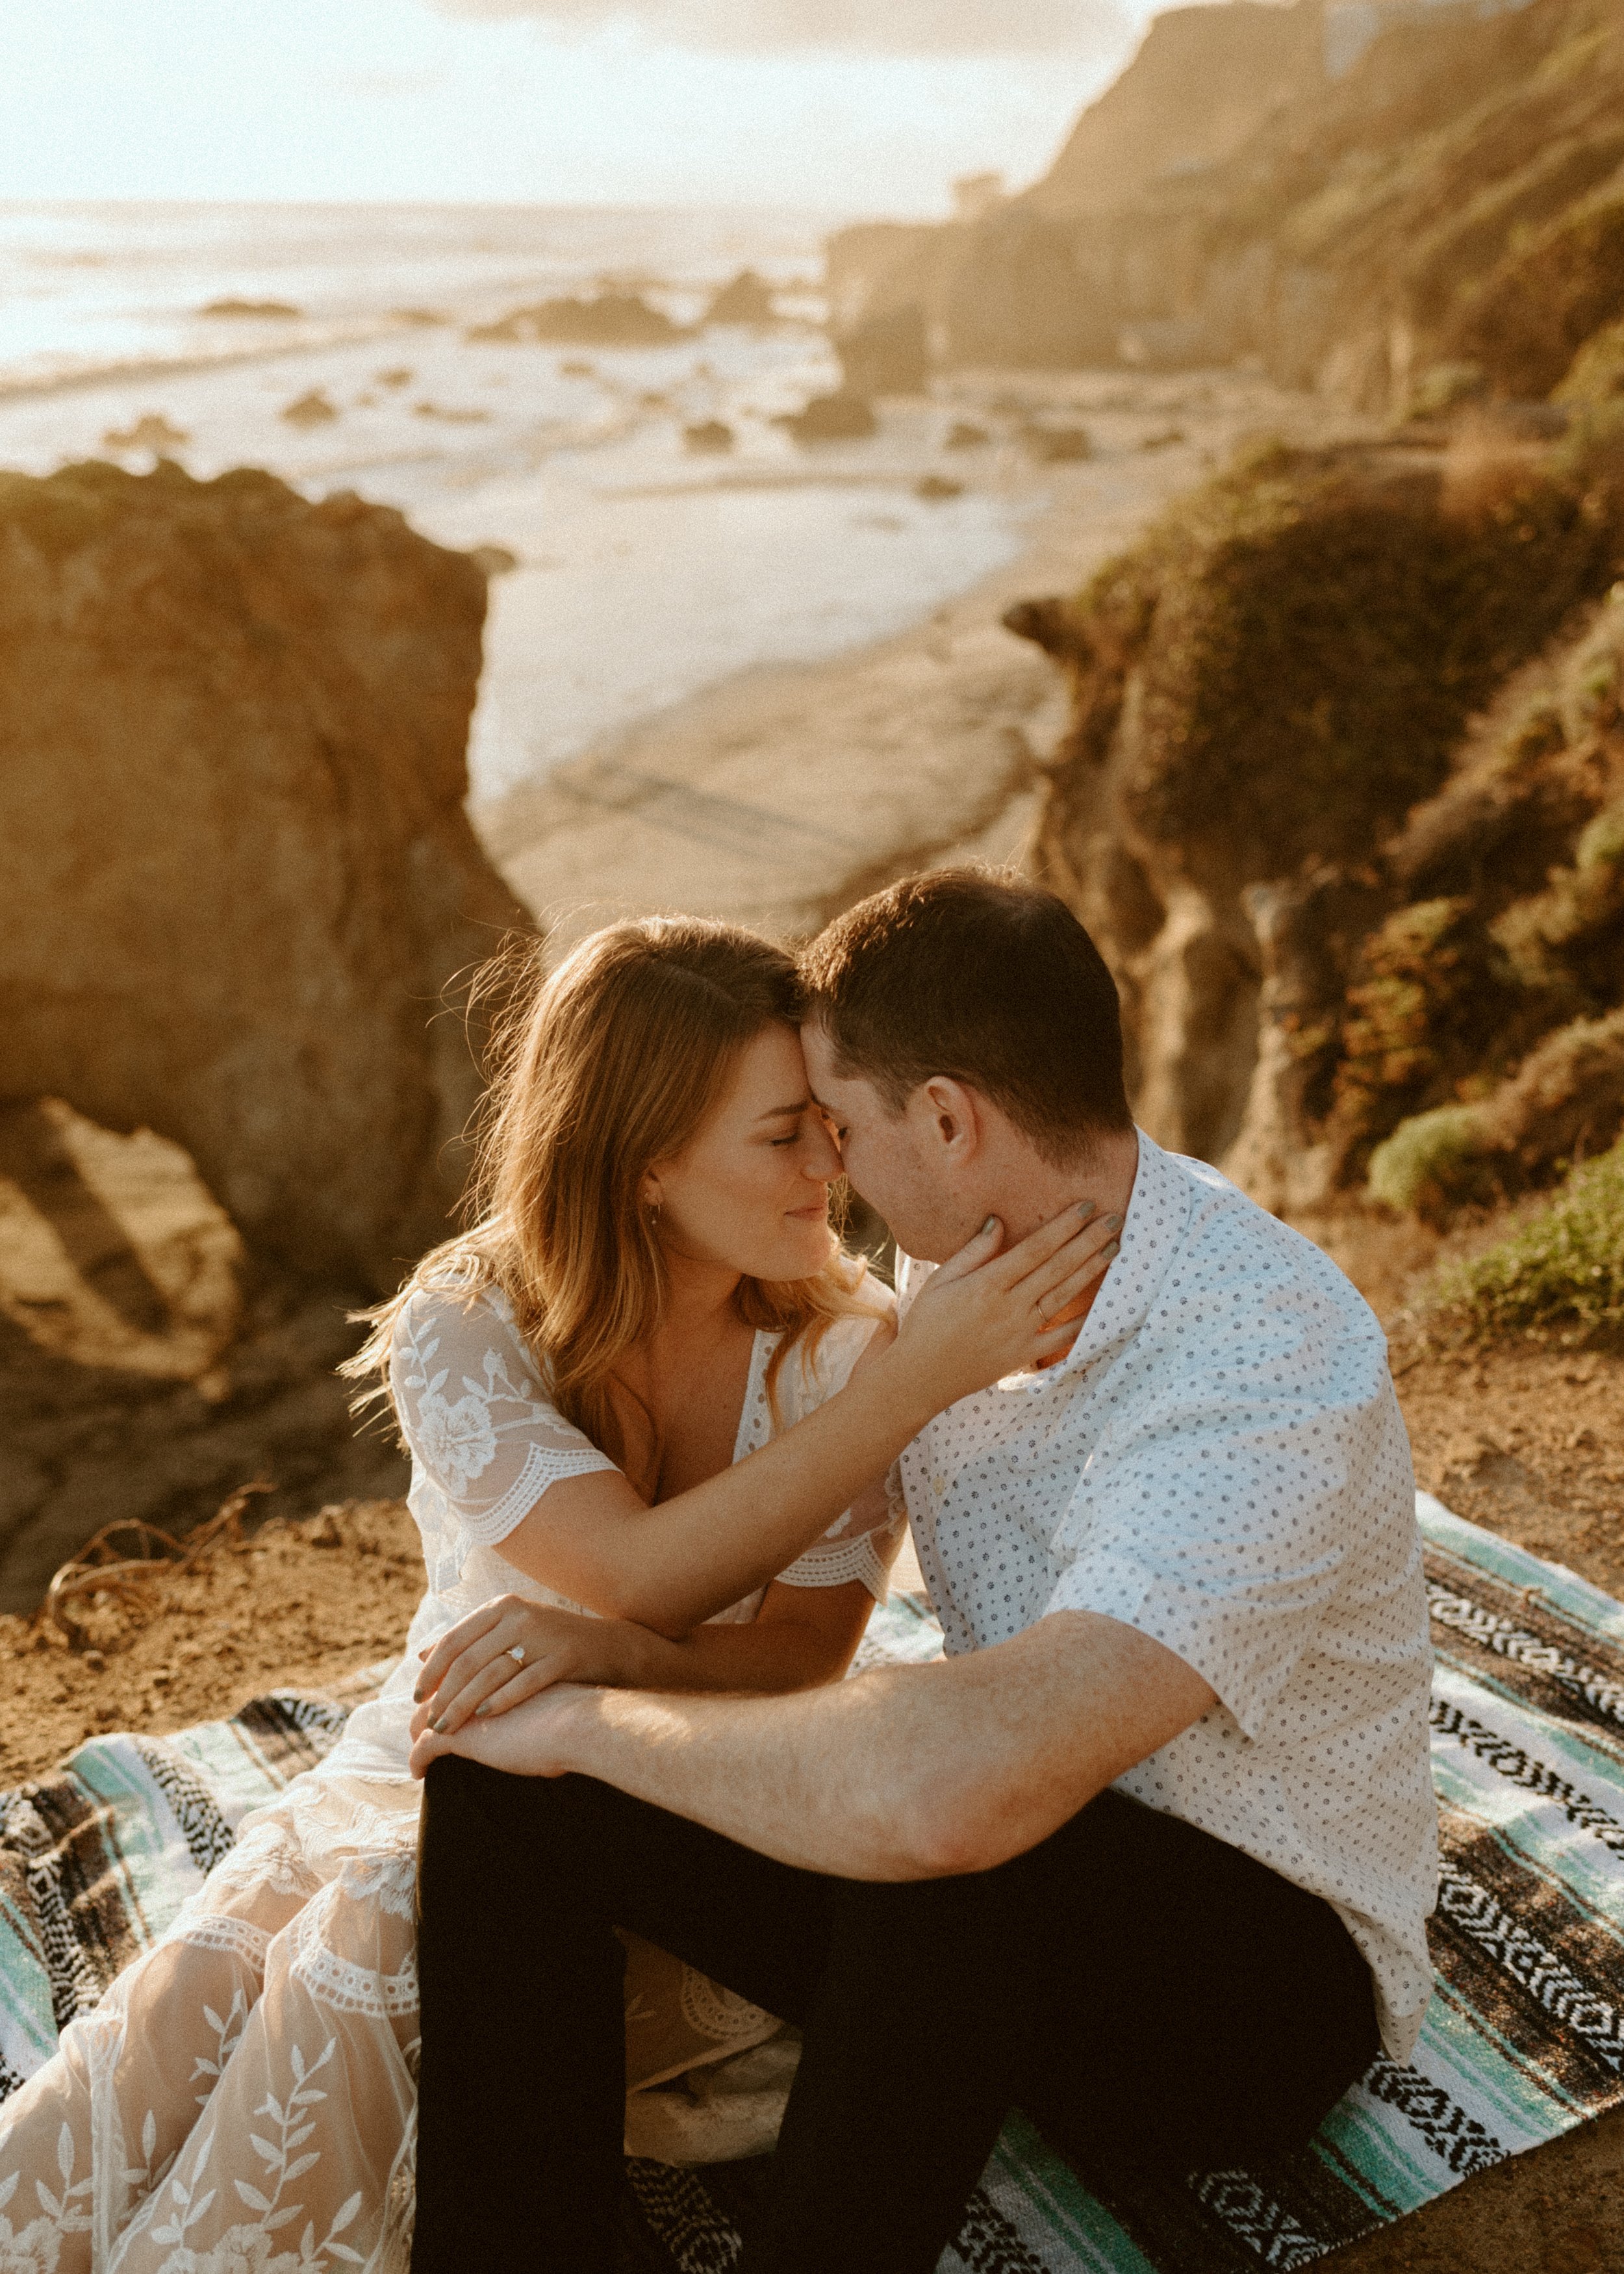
[[517, 1653]]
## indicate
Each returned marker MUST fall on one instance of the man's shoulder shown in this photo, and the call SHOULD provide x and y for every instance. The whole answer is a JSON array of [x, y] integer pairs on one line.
[[1232, 1245]]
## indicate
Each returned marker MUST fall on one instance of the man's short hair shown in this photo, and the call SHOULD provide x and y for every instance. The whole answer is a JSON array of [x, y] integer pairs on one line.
[[995, 985]]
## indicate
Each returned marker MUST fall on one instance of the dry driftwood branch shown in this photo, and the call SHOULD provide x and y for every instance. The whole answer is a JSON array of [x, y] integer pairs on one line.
[[104, 1566]]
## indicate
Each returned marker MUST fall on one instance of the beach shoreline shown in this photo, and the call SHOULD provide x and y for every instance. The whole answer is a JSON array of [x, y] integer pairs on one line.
[[775, 797]]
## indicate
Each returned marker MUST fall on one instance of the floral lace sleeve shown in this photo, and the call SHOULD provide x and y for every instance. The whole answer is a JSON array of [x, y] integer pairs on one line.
[[476, 1419]]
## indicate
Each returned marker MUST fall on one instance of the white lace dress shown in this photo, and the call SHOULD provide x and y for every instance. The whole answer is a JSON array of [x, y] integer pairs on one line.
[[243, 2099]]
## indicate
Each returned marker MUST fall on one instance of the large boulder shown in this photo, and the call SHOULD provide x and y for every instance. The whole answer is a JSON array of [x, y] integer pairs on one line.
[[238, 875]]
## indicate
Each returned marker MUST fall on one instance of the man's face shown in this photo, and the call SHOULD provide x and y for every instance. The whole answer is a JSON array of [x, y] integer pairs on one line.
[[888, 1158]]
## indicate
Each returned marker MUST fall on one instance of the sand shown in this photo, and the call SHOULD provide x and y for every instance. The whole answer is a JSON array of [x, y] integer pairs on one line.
[[780, 795]]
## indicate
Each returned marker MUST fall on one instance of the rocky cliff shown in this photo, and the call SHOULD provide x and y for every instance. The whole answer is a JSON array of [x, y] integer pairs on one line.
[[1443, 218], [237, 875], [1203, 82], [1334, 902]]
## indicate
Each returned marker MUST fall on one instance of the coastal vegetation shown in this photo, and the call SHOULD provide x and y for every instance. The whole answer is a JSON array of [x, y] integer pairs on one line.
[[1340, 799], [1559, 1274]]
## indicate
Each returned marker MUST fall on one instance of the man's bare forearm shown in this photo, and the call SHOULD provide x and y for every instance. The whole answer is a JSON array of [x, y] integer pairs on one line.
[[906, 1773]]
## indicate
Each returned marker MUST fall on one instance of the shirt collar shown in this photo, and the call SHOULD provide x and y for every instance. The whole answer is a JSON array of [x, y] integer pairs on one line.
[[1153, 1227]]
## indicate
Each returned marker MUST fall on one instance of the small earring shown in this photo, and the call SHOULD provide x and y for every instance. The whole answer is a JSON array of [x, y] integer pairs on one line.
[[654, 1215]]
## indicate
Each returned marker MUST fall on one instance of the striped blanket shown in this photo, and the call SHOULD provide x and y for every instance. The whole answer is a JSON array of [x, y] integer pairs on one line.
[[1524, 2039]]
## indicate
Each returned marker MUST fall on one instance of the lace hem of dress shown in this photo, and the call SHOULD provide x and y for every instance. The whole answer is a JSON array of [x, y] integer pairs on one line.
[[541, 1469], [837, 1562], [222, 1931], [349, 1988]]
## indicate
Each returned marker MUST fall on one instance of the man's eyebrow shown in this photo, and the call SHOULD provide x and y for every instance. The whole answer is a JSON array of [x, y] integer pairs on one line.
[[777, 1112]]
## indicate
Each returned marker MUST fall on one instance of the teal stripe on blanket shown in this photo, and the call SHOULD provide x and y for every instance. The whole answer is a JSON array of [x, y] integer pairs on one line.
[[96, 1859]]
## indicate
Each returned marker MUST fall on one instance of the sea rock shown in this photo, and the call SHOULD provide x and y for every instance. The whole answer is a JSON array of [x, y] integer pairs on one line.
[[148, 1366], [1199, 88], [151, 432], [1055, 445], [609, 319], [236, 870], [281, 310], [886, 354], [838, 417], [746, 299], [936, 488], [707, 437], [312, 408]]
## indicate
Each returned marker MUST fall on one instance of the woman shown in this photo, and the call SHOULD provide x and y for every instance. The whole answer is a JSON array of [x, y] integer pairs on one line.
[[589, 1381]]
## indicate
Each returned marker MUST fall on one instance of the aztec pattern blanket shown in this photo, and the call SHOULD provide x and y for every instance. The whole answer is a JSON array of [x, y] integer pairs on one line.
[[1523, 2041]]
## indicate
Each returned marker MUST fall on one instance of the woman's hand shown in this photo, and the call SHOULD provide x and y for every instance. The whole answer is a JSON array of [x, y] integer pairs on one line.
[[472, 1672], [984, 1315]]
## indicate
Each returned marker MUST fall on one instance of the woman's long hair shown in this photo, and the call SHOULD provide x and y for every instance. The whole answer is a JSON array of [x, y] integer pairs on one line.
[[602, 1071]]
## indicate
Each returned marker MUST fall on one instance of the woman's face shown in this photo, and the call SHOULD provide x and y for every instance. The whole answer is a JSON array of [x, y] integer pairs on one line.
[[750, 1192]]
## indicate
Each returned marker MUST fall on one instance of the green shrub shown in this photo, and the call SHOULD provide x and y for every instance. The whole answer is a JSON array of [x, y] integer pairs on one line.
[[1444, 387], [1432, 1164], [1559, 1274], [1528, 317]]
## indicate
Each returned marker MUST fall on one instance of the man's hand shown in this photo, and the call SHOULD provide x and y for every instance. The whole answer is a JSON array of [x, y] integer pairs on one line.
[[530, 1740]]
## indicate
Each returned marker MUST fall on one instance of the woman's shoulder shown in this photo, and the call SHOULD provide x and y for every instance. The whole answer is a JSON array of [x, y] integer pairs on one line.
[[453, 1303]]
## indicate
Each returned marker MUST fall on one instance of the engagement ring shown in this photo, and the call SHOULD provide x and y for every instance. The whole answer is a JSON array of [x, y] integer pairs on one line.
[[517, 1653]]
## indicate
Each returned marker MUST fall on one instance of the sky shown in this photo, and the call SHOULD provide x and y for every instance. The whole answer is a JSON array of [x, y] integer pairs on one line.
[[826, 105]]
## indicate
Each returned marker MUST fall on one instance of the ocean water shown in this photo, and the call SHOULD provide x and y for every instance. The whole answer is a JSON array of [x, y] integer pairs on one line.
[[645, 571]]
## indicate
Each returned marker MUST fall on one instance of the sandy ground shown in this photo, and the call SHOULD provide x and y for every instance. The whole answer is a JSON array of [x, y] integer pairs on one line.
[[776, 798]]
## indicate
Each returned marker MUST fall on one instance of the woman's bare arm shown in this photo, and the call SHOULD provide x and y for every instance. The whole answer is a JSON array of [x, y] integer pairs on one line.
[[800, 1637], [672, 1566]]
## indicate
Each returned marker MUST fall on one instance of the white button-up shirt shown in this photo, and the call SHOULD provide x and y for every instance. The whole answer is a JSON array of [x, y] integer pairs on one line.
[[1220, 1462]]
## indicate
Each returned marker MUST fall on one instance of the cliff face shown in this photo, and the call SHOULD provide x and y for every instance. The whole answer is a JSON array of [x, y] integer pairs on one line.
[[1442, 219], [236, 868], [1204, 80], [1324, 917]]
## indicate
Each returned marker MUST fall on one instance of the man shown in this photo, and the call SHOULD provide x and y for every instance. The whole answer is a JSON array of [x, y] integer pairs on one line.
[[1149, 1854]]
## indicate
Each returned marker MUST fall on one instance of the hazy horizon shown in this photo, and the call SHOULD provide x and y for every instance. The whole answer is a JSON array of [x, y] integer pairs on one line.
[[799, 105]]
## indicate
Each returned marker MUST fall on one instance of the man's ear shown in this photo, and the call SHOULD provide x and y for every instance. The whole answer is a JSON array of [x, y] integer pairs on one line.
[[949, 1114]]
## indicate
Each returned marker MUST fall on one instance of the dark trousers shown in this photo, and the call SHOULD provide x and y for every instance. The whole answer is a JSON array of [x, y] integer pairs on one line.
[[1147, 1993]]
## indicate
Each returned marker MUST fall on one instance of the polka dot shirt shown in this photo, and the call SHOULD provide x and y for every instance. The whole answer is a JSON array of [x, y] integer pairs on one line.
[[1220, 1462]]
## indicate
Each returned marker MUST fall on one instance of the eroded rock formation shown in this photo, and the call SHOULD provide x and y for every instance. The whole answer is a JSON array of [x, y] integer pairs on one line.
[[1324, 920], [237, 875], [1443, 217]]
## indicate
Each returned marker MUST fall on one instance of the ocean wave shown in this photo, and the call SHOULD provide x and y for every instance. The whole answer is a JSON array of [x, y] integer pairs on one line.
[[73, 375]]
